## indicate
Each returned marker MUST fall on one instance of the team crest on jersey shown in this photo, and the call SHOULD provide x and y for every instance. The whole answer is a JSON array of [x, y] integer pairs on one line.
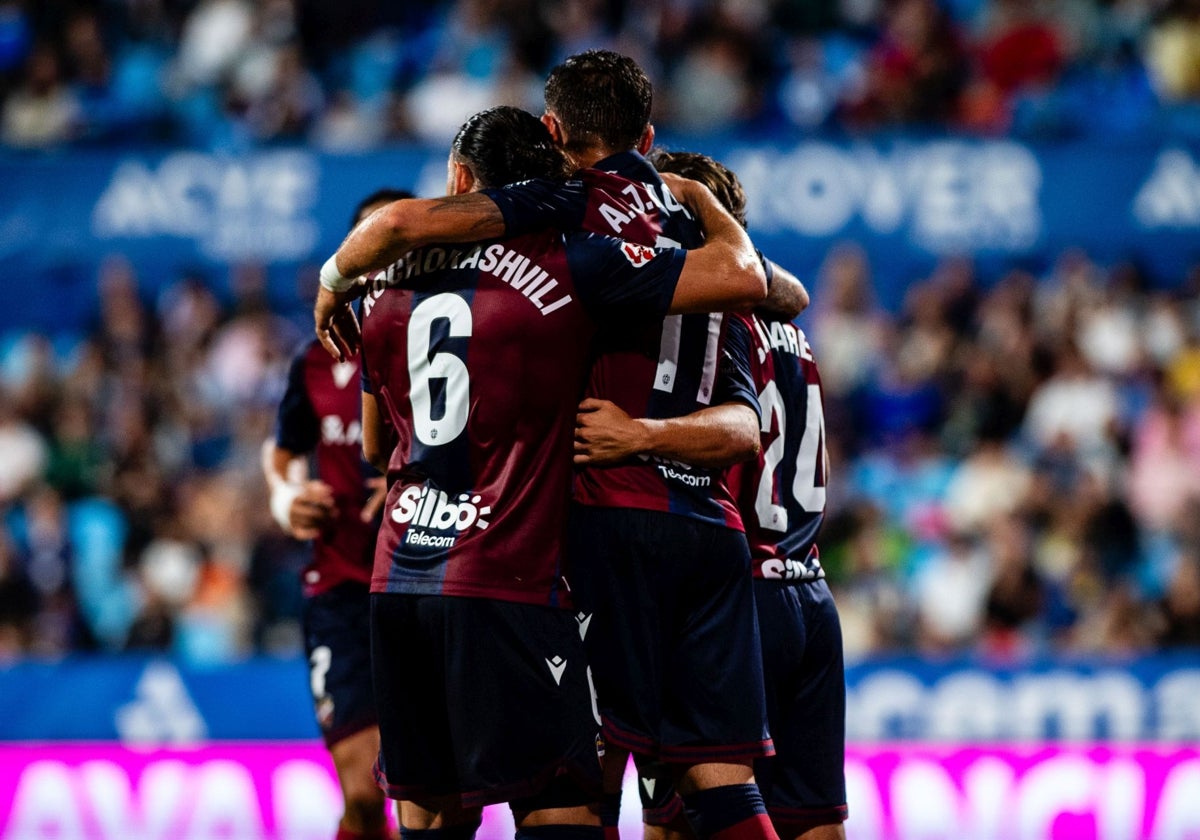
[[638, 255], [434, 519]]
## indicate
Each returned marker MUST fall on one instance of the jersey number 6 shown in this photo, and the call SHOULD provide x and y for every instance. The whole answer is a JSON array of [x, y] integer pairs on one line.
[[423, 367]]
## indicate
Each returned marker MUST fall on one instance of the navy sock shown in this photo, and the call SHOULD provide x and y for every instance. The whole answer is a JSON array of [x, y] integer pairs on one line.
[[561, 832], [610, 815], [450, 832], [712, 811], [610, 809]]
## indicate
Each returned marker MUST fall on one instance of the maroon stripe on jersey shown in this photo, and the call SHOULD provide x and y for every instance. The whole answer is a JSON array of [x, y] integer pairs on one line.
[[345, 549]]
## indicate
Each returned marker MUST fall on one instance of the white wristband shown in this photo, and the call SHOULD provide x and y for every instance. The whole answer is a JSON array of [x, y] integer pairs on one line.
[[282, 496], [332, 279]]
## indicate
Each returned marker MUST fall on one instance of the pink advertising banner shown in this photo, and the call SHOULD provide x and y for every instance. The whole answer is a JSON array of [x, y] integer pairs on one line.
[[913, 792]]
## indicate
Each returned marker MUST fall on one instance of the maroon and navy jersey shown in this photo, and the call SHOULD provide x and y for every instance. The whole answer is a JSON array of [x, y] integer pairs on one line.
[[319, 414], [782, 492], [478, 356], [658, 369]]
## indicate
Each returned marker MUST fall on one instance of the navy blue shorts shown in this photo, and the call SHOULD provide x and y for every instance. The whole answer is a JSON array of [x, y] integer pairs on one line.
[[337, 639], [667, 608], [804, 785], [487, 700]]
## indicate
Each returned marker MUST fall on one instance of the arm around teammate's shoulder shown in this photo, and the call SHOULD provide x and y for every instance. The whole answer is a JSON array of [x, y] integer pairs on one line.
[[725, 272], [786, 295], [395, 229]]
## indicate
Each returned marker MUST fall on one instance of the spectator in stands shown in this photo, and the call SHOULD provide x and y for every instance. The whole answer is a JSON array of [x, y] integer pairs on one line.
[[19, 605], [42, 111], [1174, 51], [22, 452], [1181, 605], [916, 72]]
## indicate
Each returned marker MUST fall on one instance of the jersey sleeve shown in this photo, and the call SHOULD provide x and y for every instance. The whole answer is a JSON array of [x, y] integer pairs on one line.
[[530, 206], [615, 278], [735, 376], [297, 428]]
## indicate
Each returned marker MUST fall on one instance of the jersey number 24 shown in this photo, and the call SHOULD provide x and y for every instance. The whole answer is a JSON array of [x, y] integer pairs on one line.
[[810, 455]]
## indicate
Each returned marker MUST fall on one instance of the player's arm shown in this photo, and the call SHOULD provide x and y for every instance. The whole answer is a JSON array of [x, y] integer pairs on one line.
[[380, 240], [725, 272], [395, 229], [302, 506], [719, 436], [786, 296], [712, 437], [376, 437]]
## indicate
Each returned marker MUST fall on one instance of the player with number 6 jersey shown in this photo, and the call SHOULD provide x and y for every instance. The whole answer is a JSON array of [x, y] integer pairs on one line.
[[475, 356]]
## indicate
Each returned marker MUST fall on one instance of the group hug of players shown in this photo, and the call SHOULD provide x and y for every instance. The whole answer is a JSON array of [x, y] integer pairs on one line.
[[595, 534]]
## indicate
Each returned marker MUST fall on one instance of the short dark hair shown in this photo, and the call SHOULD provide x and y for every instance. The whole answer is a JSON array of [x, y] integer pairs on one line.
[[602, 98], [384, 196], [504, 144], [712, 173]]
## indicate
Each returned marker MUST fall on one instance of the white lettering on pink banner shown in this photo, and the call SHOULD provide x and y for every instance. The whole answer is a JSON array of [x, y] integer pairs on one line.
[[288, 792]]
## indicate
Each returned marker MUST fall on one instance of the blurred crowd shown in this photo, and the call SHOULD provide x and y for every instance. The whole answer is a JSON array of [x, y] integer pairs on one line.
[[355, 74], [1015, 468], [1016, 464]]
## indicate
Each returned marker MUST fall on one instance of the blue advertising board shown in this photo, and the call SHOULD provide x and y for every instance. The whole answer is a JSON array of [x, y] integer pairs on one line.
[[906, 201], [156, 701]]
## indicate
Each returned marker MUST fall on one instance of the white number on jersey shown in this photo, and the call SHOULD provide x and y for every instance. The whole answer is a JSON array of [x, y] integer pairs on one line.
[[668, 356], [422, 368], [807, 494]]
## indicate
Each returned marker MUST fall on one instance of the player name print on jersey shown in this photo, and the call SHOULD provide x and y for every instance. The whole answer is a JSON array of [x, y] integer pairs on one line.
[[642, 197], [505, 264], [777, 335]]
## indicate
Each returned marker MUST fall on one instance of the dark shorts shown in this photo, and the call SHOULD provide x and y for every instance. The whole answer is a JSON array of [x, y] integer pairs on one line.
[[337, 639], [667, 607], [488, 700], [804, 785]]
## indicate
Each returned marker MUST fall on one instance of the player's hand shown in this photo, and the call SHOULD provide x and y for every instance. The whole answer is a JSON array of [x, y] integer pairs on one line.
[[378, 486], [604, 434], [689, 192], [312, 510], [336, 324]]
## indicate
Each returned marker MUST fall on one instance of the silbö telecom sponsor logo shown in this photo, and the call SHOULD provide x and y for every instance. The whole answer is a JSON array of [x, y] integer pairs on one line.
[[426, 509]]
